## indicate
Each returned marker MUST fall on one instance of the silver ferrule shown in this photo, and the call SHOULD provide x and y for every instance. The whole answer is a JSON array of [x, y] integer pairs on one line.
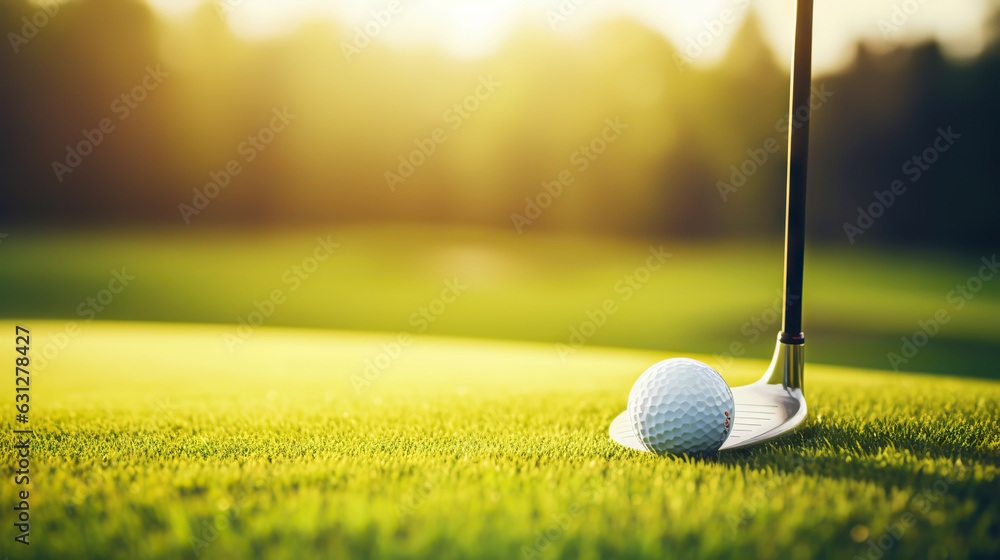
[[787, 367]]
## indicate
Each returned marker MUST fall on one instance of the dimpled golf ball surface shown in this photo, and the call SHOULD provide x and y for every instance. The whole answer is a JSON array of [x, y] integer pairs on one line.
[[681, 406]]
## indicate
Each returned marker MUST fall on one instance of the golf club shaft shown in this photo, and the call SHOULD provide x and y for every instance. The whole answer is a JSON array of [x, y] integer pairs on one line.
[[798, 155]]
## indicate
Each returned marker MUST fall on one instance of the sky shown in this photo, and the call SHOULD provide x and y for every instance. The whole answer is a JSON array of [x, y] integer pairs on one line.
[[469, 28]]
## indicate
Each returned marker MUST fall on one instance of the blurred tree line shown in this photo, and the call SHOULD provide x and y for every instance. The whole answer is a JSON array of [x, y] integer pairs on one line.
[[691, 156]]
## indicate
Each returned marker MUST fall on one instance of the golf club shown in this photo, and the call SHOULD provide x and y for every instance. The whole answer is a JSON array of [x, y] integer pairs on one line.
[[775, 404]]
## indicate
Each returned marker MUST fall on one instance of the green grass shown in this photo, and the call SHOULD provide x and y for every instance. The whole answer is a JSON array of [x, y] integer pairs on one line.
[[146, 433], [859, 302]]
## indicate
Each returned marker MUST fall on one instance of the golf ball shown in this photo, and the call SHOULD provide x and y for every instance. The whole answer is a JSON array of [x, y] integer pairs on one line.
[[681, 406]]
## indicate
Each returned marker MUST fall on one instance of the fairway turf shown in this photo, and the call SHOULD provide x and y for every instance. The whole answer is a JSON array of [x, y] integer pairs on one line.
[[147, 435], [705, 298]]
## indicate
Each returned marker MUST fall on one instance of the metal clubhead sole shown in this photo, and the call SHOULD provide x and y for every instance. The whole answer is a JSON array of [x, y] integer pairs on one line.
[[764, 410]]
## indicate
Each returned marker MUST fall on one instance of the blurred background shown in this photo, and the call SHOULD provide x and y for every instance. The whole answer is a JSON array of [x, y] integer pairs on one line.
[[534, 151]]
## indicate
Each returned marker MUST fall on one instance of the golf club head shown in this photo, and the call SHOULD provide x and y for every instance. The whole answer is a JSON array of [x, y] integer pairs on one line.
[[764, 410], [775, 404]]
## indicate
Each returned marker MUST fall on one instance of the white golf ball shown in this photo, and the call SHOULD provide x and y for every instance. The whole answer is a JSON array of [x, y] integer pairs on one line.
[[681, 406]]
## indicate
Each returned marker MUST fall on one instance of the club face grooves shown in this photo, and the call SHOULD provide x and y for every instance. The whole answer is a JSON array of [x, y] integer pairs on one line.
[[789, 410]]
